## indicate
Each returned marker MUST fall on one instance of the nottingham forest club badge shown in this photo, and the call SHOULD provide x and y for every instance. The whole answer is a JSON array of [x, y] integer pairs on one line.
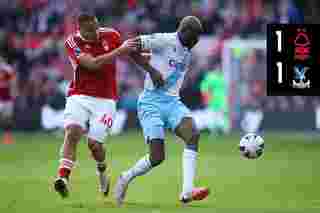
[[292, 65], [105, 45], [302, 46]]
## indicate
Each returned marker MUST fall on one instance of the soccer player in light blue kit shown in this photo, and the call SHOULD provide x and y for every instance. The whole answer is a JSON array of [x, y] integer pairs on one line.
[[159, 106]]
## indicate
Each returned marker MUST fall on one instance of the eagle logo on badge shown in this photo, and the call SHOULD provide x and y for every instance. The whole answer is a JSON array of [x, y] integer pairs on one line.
[[105, 45], [300, 77]]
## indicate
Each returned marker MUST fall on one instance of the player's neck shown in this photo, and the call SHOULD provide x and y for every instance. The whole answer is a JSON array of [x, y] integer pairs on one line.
[[182, 41], [91, 37]]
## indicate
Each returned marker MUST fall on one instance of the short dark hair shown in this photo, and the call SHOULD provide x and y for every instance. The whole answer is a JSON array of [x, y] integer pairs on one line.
[[191, 22], [85, 17]]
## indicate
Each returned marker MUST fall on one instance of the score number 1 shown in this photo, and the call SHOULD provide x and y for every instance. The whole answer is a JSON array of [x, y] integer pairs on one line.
[[279, 48], [279, 66], [279, 40]]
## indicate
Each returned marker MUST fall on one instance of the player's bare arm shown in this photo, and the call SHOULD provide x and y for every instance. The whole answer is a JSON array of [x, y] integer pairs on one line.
[[155, 75], [95, 63], [142, 59]]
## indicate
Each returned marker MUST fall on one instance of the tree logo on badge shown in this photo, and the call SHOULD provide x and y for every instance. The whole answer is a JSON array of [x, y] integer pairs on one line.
[[105, 45], [302, 45]]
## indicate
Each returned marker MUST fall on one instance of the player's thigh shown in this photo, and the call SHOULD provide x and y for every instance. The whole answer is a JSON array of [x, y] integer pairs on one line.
[[76, 113], [181, 121], [101, 119], [151, 121], [177, 113]]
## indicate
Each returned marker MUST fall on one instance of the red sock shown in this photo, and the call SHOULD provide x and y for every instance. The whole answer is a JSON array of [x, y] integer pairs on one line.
[[64, 172], [7, 138], [65, 167]]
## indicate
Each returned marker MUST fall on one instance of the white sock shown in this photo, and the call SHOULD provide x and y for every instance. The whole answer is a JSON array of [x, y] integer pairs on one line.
[[189, 170], [103, 178], [140, 168]]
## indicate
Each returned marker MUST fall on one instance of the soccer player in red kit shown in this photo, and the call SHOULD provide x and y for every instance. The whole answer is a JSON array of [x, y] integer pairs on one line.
[[92, 95], [7, 93]]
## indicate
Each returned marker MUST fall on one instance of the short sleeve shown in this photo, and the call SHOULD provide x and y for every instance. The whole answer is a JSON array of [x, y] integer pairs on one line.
[[154, 41], [73, 52], [114, 34], [116, 38]]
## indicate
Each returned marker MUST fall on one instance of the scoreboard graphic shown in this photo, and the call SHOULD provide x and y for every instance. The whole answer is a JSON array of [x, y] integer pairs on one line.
[[293, 60]]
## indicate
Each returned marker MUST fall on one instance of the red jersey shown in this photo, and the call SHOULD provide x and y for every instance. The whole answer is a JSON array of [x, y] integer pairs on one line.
[[100, 83], [7, 74]]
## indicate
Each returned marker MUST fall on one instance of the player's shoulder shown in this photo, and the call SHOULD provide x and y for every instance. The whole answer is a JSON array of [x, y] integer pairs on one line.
[[164, 35], [108, 31], [171, 35], [167, 38]]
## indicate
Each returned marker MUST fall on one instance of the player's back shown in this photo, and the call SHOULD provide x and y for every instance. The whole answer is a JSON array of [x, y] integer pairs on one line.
[[96, 83], [171, 58]]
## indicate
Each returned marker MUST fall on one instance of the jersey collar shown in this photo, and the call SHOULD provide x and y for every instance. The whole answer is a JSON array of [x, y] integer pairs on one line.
[[83, 39]]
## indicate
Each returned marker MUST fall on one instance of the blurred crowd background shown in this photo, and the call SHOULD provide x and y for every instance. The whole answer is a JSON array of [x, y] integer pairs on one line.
[[32, 34]]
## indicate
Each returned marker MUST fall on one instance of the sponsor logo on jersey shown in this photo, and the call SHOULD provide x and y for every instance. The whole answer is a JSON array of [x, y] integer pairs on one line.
[[87, 46], [77, 51]]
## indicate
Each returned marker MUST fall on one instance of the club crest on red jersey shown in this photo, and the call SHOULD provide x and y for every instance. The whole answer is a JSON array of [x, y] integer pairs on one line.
[[105, 45]]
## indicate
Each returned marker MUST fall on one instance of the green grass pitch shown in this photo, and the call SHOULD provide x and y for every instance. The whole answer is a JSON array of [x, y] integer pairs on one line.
[[285, 179]]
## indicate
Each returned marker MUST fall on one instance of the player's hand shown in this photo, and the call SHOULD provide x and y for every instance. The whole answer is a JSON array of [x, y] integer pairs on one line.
[[128, 46], [157, 79], [146, 57]]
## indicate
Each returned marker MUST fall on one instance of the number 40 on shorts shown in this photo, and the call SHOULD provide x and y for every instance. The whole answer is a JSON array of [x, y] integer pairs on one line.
[[107, 120]]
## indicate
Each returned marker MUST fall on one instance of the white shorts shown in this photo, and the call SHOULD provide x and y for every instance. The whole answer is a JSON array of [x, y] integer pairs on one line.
[[6, 109], [94, 115]]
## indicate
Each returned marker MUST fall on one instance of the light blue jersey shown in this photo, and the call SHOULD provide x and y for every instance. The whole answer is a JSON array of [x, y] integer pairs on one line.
[[169, 57], [160, 108]]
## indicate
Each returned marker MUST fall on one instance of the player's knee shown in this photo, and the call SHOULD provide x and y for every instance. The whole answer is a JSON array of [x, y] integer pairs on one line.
[[189, 131], [73, 134], [95, 146], [195, 137], [186, 125], [193, 142]]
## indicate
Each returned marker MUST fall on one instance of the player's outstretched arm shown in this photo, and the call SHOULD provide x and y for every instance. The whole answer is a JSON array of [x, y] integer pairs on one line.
[[95, 63], [153, 42]]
